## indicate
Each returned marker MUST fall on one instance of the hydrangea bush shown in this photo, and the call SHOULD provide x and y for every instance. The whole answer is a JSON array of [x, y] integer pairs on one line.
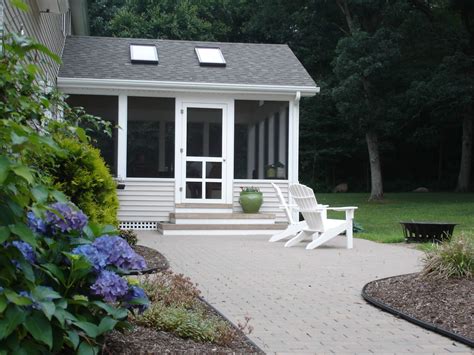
[[61, 290]]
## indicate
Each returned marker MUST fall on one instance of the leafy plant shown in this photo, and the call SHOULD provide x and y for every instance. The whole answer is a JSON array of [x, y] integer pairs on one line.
[[249, 189], [176, 307], [54, 296], [130, 236], [81, 173], [453, 258]]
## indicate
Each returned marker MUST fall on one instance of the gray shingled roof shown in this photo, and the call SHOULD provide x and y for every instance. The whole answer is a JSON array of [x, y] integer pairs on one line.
[[109, 58]]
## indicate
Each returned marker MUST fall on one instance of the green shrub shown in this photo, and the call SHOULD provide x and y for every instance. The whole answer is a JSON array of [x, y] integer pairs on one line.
[[176, 308], [130, 236], [81, 173], [58, 294], [454, 258]]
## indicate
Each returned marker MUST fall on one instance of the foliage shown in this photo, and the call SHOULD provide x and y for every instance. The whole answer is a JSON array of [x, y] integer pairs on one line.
[[175, 307], [47, 304], [81, 173], [249, 189], [453, 258], [130, 237]]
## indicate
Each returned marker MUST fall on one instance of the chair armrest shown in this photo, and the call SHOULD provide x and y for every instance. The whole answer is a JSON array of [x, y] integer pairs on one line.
[[342, 208]]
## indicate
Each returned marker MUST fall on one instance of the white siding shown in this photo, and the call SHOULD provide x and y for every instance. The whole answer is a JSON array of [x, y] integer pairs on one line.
[[146, 201], [48, 29], [270, 199]]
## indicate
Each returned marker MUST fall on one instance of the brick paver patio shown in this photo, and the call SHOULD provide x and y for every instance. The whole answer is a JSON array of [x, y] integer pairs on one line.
[[302, 301]]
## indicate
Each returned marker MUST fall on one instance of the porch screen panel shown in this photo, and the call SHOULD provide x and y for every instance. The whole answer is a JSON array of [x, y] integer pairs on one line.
[[150, 137], [261, 139], [105, 107]]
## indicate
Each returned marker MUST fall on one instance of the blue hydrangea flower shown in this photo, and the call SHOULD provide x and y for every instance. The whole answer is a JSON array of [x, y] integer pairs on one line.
[[136, 293], [36, 224], [66, 218], [26, 250], [96, 258], [119, 253], [110, 286]]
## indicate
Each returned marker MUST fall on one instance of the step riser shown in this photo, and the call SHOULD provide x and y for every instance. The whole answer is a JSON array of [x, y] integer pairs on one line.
[[203, 210], [223, 232], [222, 221]]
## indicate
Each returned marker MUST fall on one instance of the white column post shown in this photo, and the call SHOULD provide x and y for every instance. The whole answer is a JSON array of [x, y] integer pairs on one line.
[[122, 137], [294, 116], [261, 149], [251, 151], [162, 147], [271, 140]]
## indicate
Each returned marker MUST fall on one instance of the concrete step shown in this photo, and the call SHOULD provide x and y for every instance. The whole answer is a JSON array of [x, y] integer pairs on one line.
[[222, 218], [166, 228]]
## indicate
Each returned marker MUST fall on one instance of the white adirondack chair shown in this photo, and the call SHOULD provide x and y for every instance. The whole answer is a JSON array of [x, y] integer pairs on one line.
[[294, 227], [320, 228]]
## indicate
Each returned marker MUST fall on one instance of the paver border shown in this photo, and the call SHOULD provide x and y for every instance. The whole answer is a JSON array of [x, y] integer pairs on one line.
[[421, 323]]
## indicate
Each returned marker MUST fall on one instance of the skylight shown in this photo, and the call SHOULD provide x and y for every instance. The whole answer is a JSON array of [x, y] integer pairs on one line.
[[140, 53], [210, 56]]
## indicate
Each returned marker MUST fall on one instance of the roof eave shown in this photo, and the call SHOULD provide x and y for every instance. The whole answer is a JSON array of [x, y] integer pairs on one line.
[[114, 84]]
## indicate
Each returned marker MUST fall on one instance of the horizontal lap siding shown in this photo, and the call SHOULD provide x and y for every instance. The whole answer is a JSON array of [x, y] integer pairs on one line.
[[45, 28], [271, 204], [145, 201]]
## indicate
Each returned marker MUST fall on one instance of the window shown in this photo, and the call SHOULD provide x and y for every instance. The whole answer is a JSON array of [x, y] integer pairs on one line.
[[143, 54], [210, 56], [105, 107], [261, 139], [150, 137]]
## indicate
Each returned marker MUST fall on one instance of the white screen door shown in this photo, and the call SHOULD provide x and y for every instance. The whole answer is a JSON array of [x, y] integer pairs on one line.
[[204, 168]]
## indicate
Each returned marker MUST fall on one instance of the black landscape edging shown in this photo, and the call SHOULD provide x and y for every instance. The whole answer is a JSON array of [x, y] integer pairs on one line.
[[421, 323], [228, 320]]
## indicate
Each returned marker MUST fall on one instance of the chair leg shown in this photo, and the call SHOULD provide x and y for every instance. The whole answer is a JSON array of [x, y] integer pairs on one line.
[[288, 232], [295, 240], [349, 240]]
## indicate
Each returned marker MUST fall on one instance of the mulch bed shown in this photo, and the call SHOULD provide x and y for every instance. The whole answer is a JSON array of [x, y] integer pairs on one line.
[[447, 304], [143, 340], [154, 259]]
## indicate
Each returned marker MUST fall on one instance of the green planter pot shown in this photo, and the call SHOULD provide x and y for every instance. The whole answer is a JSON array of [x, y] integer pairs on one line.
[[251, 201]]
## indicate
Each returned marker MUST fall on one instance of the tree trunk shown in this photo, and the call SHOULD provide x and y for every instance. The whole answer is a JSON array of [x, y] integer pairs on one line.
[[376, 190], [464, 176]]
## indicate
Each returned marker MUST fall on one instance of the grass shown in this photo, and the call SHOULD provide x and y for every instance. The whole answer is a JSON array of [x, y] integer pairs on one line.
[[380, 220]]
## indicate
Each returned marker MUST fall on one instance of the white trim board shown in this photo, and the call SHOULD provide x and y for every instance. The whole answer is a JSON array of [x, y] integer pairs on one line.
[[90, 83]]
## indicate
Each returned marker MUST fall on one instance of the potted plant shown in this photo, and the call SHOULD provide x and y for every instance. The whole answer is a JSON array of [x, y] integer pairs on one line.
[[251, 199], [271, 171]]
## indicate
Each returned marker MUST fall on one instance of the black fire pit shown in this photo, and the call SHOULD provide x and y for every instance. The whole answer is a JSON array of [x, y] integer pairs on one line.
[[422, 232]]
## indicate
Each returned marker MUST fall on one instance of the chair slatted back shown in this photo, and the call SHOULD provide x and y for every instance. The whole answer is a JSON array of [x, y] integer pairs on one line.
[[283, 203], [306, 200]]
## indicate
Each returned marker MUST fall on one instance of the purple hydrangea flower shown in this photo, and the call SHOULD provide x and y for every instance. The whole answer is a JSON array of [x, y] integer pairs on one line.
[[110, 286], [26, 250], [66, 218], [136, 293], [119, 253], [36, 224], [96, 258]]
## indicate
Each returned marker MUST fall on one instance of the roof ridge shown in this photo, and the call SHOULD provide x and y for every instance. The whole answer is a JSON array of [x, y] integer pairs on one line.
[[178, 40]]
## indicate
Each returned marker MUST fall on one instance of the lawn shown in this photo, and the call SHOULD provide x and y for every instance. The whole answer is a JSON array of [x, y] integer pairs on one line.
[[380, 220]]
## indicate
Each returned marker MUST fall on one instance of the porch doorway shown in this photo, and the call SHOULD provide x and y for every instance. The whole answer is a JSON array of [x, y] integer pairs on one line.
[[204, 163]]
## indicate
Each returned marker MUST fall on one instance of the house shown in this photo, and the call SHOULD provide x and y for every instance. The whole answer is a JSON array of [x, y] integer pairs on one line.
[[197, 121]]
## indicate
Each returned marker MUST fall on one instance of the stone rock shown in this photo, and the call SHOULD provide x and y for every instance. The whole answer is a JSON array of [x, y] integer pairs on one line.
[[341, 187], [421, 189]]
